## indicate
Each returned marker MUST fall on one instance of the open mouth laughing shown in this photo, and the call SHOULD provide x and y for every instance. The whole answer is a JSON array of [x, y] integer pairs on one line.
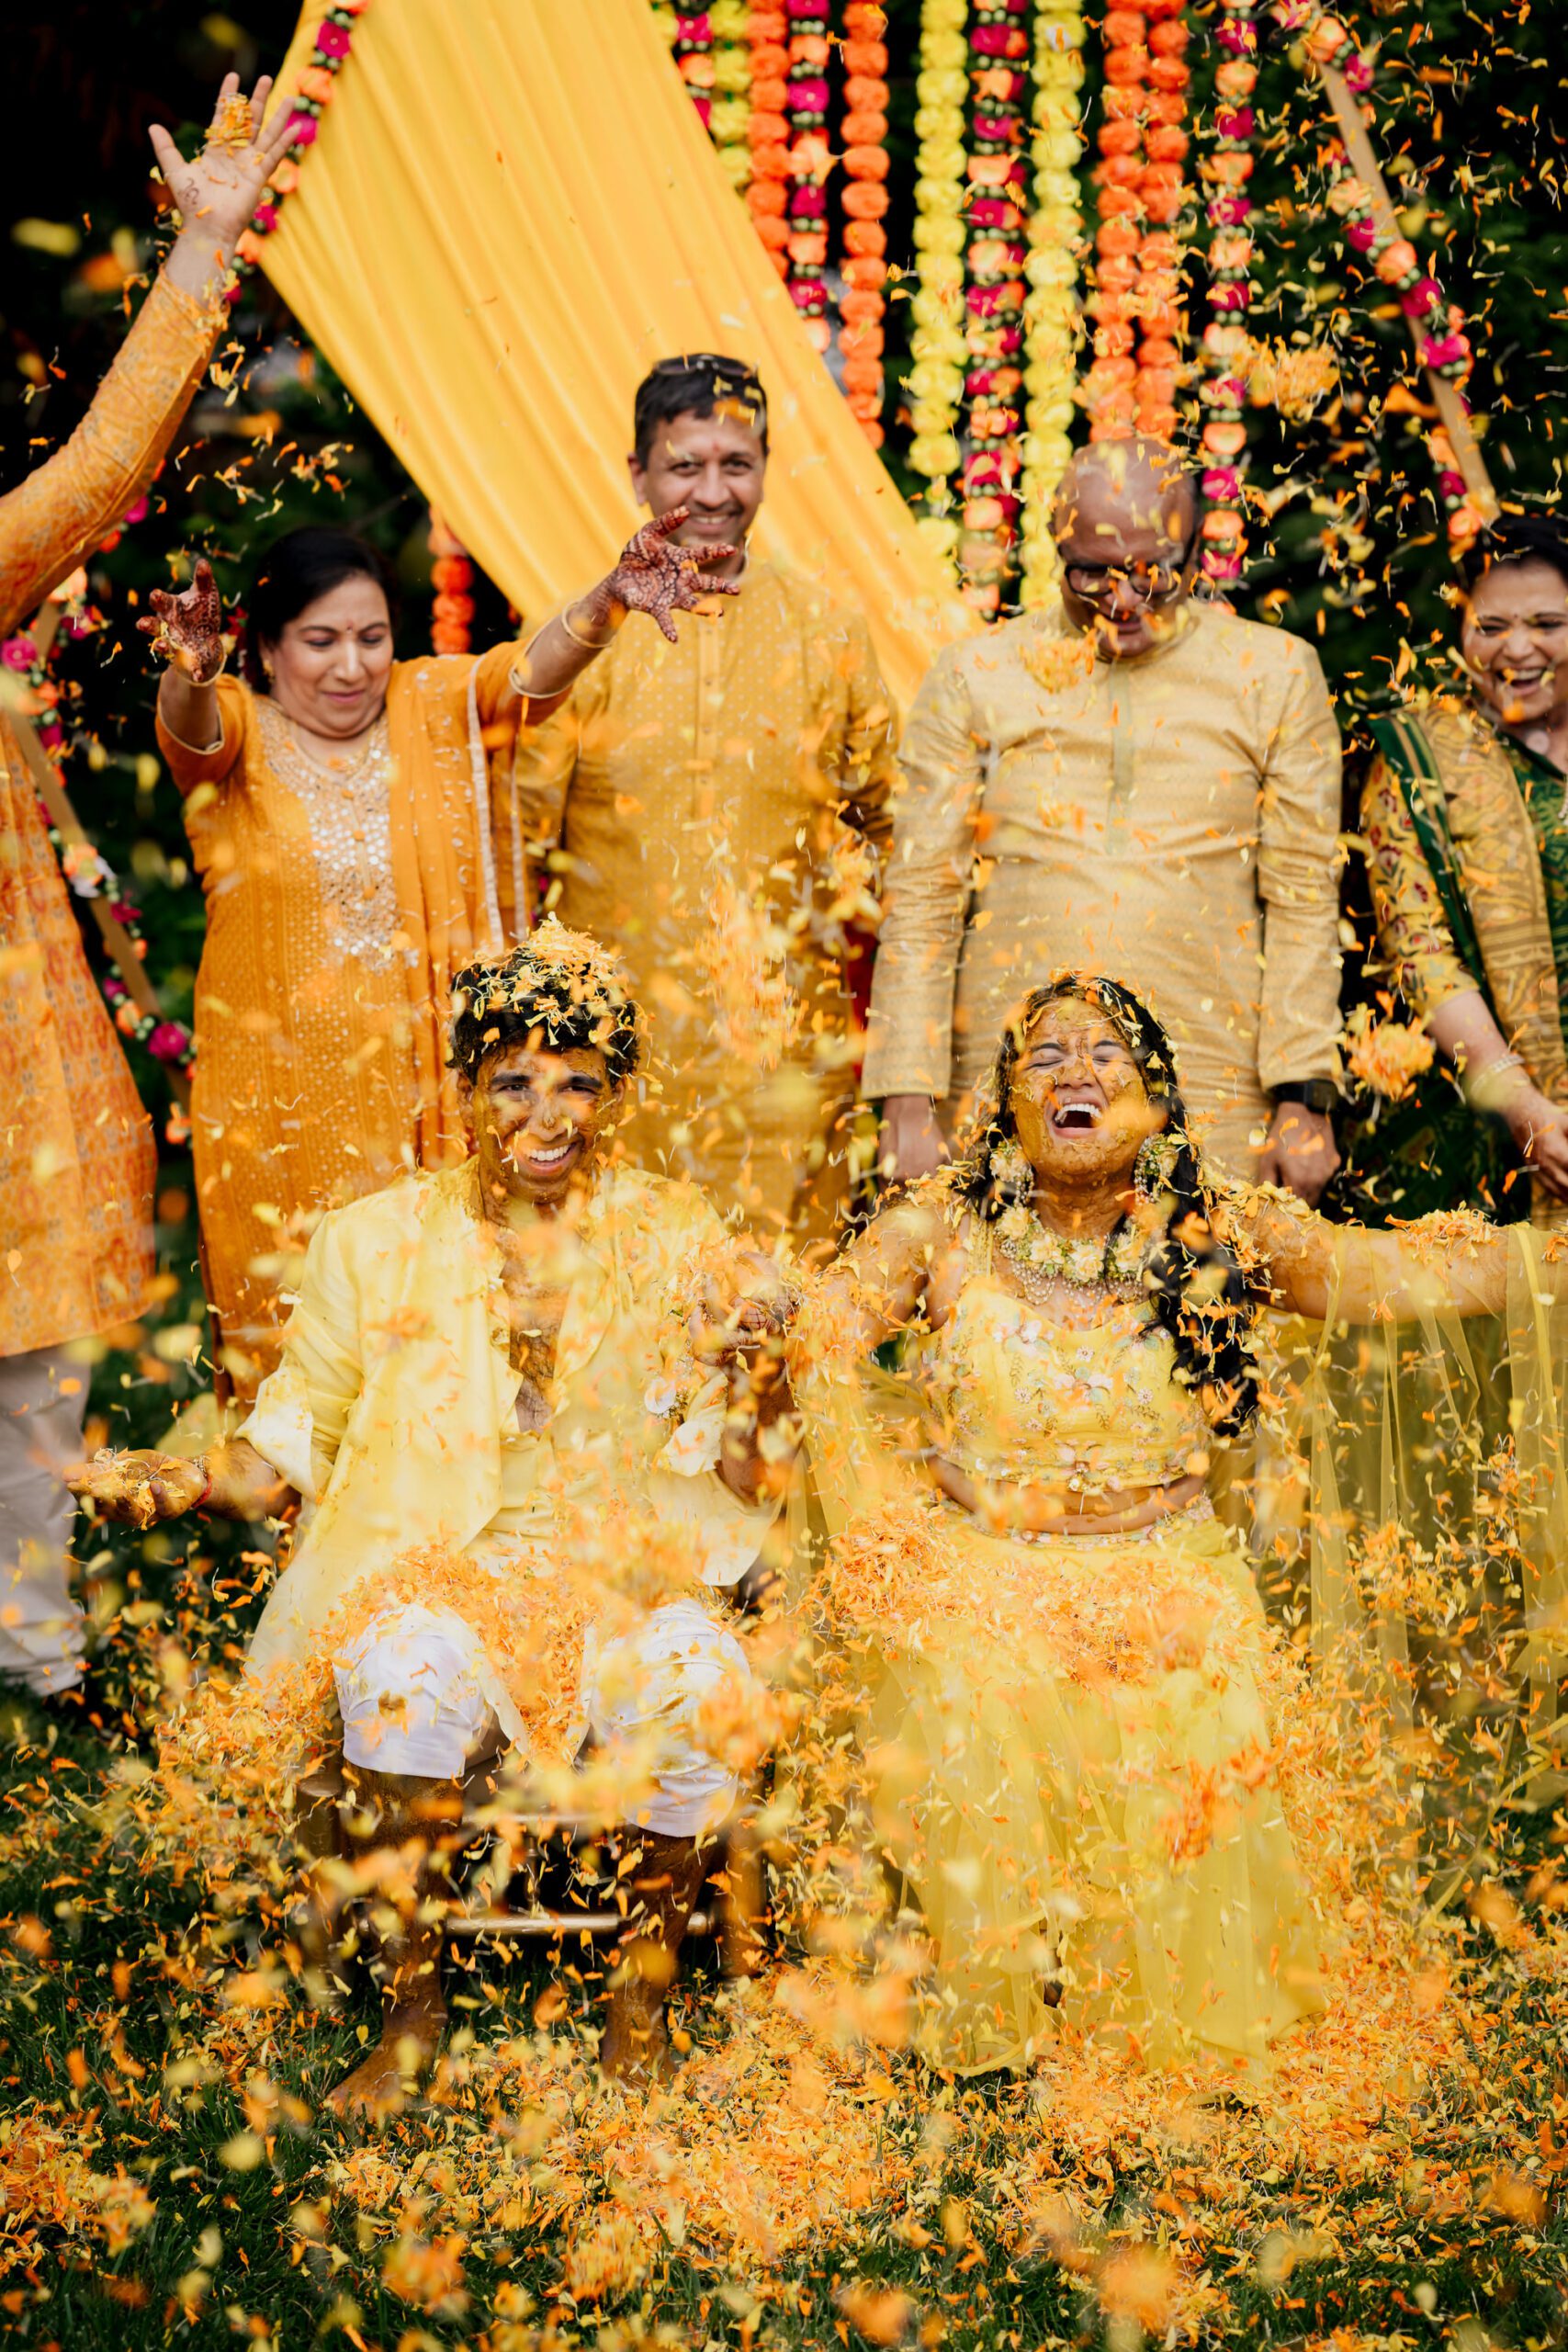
[[545, 1159], [1075, 1118]]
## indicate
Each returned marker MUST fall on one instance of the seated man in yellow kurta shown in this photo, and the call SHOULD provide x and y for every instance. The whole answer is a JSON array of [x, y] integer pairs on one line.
[[524, 1501], [706, 799], [1130, 782]]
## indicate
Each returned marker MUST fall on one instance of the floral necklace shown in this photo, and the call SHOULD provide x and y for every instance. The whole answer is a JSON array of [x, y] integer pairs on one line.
[[1040, 1257]]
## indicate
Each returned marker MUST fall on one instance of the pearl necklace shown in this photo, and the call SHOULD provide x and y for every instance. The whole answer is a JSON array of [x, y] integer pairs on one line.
[[1041, 1258]]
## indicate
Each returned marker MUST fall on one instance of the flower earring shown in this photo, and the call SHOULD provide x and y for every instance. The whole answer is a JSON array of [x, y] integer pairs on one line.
[[1011, 1170], [1156, 1165]]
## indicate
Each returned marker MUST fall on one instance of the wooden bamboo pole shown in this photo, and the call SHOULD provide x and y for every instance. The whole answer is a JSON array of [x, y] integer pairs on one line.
[[1452, 409]]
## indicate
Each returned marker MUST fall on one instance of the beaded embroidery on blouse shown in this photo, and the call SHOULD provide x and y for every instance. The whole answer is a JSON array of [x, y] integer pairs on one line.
[[348, 807]]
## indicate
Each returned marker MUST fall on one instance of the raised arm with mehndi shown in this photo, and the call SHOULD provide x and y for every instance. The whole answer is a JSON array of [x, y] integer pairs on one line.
[[77, 1156]]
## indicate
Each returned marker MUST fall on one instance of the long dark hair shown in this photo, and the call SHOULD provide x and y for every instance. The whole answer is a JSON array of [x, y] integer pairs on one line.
[[1195, 1284], [292, 573]]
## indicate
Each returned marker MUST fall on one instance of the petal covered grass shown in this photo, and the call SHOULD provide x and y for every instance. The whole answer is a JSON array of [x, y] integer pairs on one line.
[[167, 2173]]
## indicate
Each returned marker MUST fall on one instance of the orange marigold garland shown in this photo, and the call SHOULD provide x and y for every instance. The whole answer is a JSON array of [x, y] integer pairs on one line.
[[862, 305], [452, 576], [994, 379], [767, 132], [1143, 142]]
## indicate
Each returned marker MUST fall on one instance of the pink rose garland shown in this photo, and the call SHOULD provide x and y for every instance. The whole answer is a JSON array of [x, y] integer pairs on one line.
[[1441, 342], [1226, 172], [312, 93]]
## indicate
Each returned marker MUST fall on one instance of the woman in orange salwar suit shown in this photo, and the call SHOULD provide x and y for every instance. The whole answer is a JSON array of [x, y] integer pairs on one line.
[[338, 805]]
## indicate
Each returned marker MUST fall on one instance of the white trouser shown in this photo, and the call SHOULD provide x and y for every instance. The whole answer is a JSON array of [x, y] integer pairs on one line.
[[411, 1698], [43, 1398]]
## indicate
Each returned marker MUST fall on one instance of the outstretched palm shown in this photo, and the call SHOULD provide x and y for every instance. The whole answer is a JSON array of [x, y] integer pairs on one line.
[[218, 191], [656, 577], [186, 628]]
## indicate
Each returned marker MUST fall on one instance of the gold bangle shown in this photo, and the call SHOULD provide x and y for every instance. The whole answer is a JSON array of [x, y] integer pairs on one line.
[[586, 643], [1492, 1085]]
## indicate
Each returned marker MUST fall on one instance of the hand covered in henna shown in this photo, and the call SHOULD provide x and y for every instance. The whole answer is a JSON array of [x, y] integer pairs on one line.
[[655, 576], [187, 627], [744, 1298], [139, 1488], [218, 191]]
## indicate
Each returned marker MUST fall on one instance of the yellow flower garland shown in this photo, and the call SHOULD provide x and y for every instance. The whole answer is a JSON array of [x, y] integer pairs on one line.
[[1051, 327], [731, 88], [935, 382]]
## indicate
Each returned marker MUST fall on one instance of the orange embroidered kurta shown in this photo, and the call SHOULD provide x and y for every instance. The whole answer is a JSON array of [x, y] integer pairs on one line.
[[77, 1160], [698, 805], [340, 901]]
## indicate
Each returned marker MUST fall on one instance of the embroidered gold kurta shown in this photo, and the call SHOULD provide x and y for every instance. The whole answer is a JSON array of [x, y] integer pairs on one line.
[[77, 1161], [1170, 821], [339, 903], [689, 796]]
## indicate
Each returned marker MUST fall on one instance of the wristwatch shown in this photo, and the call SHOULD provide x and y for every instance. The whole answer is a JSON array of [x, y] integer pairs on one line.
[[1319, 1095]]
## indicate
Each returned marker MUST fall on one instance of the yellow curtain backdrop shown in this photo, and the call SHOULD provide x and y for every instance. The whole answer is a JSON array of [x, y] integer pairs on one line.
[[511, 210]]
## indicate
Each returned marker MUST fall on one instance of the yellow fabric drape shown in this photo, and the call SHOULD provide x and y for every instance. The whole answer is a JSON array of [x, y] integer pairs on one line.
[[507, 215]]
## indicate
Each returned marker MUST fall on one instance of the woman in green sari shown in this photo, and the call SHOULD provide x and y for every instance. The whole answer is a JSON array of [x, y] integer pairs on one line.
[[1467, 844]]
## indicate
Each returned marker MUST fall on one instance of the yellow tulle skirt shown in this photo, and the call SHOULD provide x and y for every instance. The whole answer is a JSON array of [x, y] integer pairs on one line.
[[1076, 1755]]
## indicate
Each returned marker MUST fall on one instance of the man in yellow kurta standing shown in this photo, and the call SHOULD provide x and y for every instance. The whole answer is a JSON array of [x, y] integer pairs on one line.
[[1135, 784], [712, 803], [77, 1157]]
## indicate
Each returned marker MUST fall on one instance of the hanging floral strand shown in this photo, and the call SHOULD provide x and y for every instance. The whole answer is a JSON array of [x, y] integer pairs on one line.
[[731, 110], [691, 41], [938, 347], [863, 305], [810, 161], [1166, 200], [1438, 326], [1137, 303], [767, 132], [312, 94], [993, 379], [1050, 309], [1226, 171], [452, 576]]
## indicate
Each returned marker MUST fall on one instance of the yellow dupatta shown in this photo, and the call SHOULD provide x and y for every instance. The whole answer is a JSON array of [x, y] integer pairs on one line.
[[439, 722]]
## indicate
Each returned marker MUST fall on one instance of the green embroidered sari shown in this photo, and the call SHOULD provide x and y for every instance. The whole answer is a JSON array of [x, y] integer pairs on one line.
[[1431, 1152]]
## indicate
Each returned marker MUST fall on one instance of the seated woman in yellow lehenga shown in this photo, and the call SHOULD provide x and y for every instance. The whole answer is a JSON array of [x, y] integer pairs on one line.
[[1067, 1700]]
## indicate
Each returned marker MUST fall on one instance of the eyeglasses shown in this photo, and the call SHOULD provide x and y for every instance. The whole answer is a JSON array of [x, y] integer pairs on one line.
[[1152, 584]]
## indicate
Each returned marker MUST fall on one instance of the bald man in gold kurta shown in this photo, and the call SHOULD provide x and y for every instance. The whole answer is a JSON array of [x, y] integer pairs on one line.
[[1137, 784], [711, 808]]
